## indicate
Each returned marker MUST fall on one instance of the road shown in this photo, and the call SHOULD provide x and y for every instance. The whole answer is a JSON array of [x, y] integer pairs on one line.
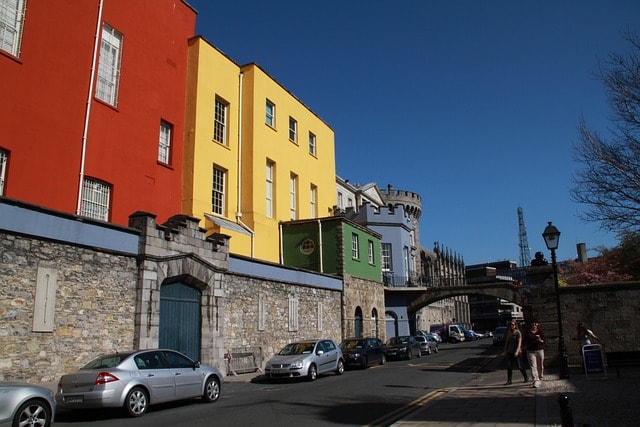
[[377, 395]]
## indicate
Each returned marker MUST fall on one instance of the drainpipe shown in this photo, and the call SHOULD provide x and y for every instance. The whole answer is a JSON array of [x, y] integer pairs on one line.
[[239, 208], [320, 245], [87, 113]]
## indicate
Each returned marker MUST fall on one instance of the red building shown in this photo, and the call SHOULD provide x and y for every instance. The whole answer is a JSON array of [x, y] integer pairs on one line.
[[93, 103]]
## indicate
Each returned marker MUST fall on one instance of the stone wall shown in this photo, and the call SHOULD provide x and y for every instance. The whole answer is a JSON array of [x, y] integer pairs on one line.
[[90, 298], [369, 296], [266, 314], [610, 310]]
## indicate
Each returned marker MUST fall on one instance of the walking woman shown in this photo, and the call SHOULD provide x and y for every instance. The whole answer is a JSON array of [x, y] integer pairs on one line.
[[534, 341], [513, 351]]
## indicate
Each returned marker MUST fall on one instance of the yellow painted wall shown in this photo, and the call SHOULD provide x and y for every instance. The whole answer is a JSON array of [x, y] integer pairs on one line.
[[211, 73]]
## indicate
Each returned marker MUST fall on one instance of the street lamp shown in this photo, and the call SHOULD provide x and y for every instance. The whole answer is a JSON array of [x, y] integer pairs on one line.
[[551, 237]]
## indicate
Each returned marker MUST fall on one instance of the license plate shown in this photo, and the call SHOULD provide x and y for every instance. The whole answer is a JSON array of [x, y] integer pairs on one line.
[[280, 371], [74, 399]]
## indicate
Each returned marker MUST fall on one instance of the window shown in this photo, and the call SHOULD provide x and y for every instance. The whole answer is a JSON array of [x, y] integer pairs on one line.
[[370, 251], [293, 314], [11, 21], [340, 200], [355, 250], [269, 189], [95, 199], [312, 144], [217, 190], [164, 146], [293, 129], [271, 114], [109, 66], [386, 257], [320, 317], [313, 197], [4, 157], [220, 121], [293, 196]]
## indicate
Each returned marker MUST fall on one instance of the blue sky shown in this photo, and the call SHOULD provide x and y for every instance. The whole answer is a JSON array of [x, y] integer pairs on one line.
[[471, 104]]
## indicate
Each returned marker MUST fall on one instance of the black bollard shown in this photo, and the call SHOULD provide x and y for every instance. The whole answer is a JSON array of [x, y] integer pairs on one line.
[[565, 410]]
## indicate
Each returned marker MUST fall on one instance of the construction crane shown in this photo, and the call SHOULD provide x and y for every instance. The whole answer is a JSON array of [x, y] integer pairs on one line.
[[525, 253]]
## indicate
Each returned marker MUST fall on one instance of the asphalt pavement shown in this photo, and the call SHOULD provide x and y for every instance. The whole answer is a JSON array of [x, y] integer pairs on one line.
[[606, 400]]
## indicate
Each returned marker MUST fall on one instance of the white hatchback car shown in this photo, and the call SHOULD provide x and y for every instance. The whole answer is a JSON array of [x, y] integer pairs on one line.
[[136, 379], [306, 359]]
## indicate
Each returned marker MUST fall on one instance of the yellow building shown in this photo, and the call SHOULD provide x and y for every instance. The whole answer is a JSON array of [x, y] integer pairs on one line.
[[255, 155]]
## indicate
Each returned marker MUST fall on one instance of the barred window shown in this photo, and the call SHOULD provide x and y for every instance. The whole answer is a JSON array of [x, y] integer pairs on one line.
[[96, 197], [11, 24], [109, 65]]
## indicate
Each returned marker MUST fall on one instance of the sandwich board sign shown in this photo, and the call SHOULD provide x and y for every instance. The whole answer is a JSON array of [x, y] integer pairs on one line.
[[593, 361]]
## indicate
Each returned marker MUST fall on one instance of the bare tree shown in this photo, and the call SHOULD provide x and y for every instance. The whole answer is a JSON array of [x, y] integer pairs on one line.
[[609, 181]]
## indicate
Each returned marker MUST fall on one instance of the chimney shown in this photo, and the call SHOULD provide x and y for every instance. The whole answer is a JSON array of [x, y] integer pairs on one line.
[[582, 252]]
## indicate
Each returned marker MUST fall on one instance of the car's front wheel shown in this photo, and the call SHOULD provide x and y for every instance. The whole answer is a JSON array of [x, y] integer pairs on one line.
[[34, 412], [137, 402], [312, 374], [211, 390], [340, 368]]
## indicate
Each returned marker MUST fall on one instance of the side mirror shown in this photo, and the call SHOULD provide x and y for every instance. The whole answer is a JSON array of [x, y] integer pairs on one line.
[[319, 352]]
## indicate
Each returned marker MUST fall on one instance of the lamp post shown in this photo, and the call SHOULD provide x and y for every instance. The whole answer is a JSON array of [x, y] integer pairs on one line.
[[551, 237]]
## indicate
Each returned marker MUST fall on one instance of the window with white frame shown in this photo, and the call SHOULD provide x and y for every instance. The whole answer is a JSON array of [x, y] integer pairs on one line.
[[11, 25], [312, 143], [269, 188], [218, 190], [4, 159], [370, 252], [109, 65], [270, 118], [164, 145], [220, 121], [293, 130], [293, 196], [385, 255], [313, 196], [355, 250], [340, 200], [96, 197]]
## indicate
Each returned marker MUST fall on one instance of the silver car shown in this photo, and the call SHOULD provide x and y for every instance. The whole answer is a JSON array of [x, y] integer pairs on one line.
[[25, 405], [136, 379], [306, 359]]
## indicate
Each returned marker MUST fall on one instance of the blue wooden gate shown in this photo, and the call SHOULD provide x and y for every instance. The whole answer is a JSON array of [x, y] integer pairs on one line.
[[180, 321]]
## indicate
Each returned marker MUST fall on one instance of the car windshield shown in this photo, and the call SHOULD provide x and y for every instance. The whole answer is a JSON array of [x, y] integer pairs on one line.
[[106, 361], [420, 338], [351, 344], [296, 348], [398, 340]]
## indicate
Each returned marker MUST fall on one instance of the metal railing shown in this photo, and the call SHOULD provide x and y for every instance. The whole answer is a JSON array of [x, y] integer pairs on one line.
[[243, 360]]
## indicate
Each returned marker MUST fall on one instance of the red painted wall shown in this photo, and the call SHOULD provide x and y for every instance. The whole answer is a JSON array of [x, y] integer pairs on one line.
[[42, 110]]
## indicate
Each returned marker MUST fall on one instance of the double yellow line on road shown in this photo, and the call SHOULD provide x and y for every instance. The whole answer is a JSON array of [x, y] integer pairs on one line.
[[399, 413]]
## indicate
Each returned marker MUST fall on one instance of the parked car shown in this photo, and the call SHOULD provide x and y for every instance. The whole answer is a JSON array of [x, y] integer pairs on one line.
[[25, 405], [498, 335], [306, 359], [428, 344], [362, 352], [436, 336], [403, 347], [470, 335], [136, 379]]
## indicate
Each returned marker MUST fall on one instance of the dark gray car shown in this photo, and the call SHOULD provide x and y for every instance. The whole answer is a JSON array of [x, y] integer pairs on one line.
[[362, 352]]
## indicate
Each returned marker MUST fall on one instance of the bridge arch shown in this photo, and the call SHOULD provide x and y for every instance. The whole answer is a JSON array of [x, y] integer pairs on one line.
[[422, 298]]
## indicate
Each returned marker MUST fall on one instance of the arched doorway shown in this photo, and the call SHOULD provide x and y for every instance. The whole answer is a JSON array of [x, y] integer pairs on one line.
[[357, 323], [180, 323], [391, 320]]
